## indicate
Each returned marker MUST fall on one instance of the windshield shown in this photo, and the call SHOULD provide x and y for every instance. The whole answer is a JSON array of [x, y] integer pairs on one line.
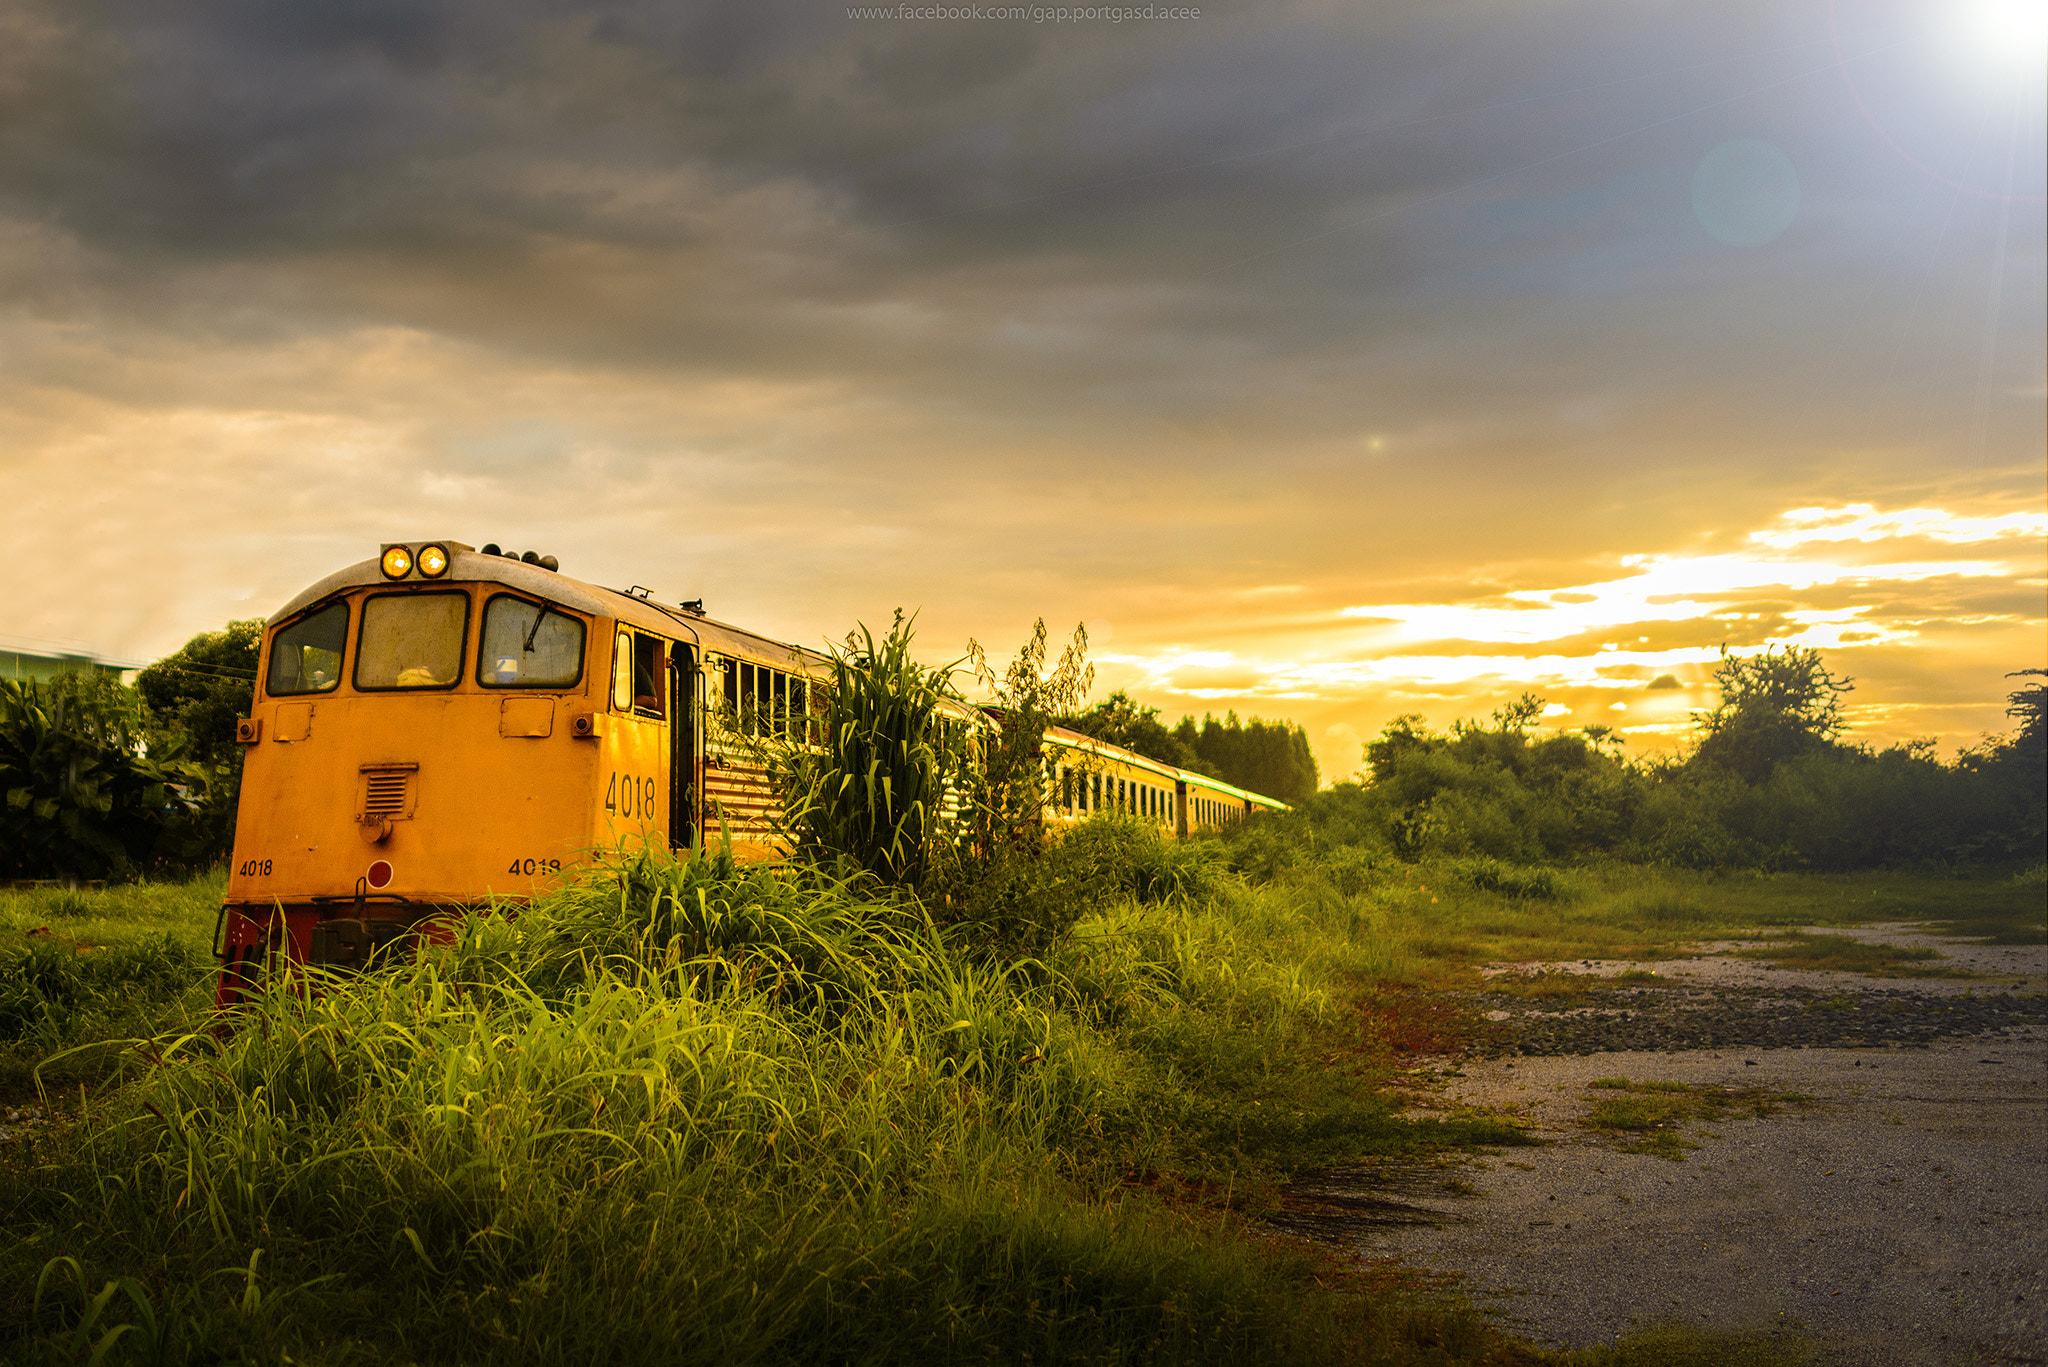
[[412, 640], [528, 645], [305, 657]]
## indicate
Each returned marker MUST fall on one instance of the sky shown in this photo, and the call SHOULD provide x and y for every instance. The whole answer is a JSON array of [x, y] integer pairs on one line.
[[1330, 361]]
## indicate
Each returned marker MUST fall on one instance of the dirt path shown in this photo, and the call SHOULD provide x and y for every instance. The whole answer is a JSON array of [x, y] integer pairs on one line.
[[1899, 1216]]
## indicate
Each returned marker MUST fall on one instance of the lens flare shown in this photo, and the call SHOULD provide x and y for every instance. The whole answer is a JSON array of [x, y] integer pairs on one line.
[[2011, 35]]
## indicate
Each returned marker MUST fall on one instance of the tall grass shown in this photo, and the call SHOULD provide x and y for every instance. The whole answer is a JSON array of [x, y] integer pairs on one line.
[[692, 1111], [873, 793], [78, 967]]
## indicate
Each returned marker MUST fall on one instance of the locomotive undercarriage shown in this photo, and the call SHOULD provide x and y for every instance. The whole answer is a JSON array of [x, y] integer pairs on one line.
[[335, 933]]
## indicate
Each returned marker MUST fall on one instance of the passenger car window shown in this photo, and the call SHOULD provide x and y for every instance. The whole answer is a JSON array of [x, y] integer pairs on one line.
[[305, 657], [528, 645], [411, 640], [760, 701]]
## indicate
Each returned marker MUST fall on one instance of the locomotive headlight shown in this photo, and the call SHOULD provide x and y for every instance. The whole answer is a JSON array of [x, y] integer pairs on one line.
[[398, 563], [433, 561]]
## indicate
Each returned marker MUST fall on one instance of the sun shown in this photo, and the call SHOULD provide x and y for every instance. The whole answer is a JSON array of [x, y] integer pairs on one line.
[[2008, 35]]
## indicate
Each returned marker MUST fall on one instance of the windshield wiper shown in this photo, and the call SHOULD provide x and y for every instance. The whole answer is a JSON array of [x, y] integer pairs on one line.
[[538, 618]]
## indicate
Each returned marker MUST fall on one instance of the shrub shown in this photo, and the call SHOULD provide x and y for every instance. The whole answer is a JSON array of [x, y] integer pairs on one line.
[[78, 799], [1029, 896], [1509, 880], [872, 791]]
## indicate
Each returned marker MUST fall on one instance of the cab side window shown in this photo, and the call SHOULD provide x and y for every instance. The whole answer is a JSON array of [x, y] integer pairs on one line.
[[639, 673]]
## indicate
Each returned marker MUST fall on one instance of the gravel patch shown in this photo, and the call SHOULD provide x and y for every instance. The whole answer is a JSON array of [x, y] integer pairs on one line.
[[19, 1122], [1781, 1016], [1897, 1212], [1720, 1002]]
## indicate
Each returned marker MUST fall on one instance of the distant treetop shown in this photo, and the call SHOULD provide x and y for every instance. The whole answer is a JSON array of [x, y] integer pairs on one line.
[[1269, 757]]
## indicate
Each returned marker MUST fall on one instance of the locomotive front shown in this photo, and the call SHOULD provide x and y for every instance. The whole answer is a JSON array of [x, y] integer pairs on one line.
[[429, 730]]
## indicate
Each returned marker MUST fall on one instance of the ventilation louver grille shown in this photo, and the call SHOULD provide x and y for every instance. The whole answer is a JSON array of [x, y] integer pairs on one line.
[[386, 795]]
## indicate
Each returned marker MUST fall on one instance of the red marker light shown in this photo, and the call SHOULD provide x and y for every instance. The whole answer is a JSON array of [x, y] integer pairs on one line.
[[380, 874]]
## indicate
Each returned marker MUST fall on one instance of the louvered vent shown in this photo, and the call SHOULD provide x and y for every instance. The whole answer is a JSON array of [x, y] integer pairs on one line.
[[386, 794]]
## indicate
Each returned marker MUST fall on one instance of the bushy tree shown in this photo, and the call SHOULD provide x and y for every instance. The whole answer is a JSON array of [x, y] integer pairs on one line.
[[1006, 794], [1122, 720], [1775, 705], [2021, 755], [2028, 705], [203, 688], [1269, 757], [192, 699], [1496, 790], [2015, 765]]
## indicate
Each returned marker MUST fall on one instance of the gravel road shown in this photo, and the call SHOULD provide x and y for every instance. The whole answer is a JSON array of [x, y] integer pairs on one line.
[[1898, 1215]]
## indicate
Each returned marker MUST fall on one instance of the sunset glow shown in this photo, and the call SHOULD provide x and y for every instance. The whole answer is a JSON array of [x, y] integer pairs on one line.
[[1330, 363], [1852, 580]]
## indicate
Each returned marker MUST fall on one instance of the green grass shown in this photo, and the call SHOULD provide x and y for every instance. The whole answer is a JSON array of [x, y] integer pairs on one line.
[[1843, 954], [1439, 926], [2021, 921], [1685, 1346], [120, 915], [702, 1113], [1650, 1112], [98, 965]]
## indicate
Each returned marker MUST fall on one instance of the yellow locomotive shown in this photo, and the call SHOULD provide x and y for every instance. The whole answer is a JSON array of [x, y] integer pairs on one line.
[[441, 725]]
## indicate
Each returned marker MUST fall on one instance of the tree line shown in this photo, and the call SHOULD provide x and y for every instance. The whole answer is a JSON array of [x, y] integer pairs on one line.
[[101, 781], [1770, 784]]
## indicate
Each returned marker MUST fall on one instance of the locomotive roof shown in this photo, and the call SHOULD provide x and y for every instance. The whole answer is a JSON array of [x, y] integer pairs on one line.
[[473, 567]]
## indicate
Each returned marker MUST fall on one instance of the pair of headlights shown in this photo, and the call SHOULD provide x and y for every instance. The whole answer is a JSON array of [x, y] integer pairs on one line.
[[432, 562]]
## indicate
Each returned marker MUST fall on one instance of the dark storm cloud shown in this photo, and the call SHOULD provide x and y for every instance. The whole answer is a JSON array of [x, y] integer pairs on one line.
[[1307, 222], [1266, 184]]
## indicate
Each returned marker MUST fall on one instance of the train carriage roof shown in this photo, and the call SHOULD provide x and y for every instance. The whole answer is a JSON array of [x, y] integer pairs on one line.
[[1217, 785], [468, 566], [1075, 740]]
